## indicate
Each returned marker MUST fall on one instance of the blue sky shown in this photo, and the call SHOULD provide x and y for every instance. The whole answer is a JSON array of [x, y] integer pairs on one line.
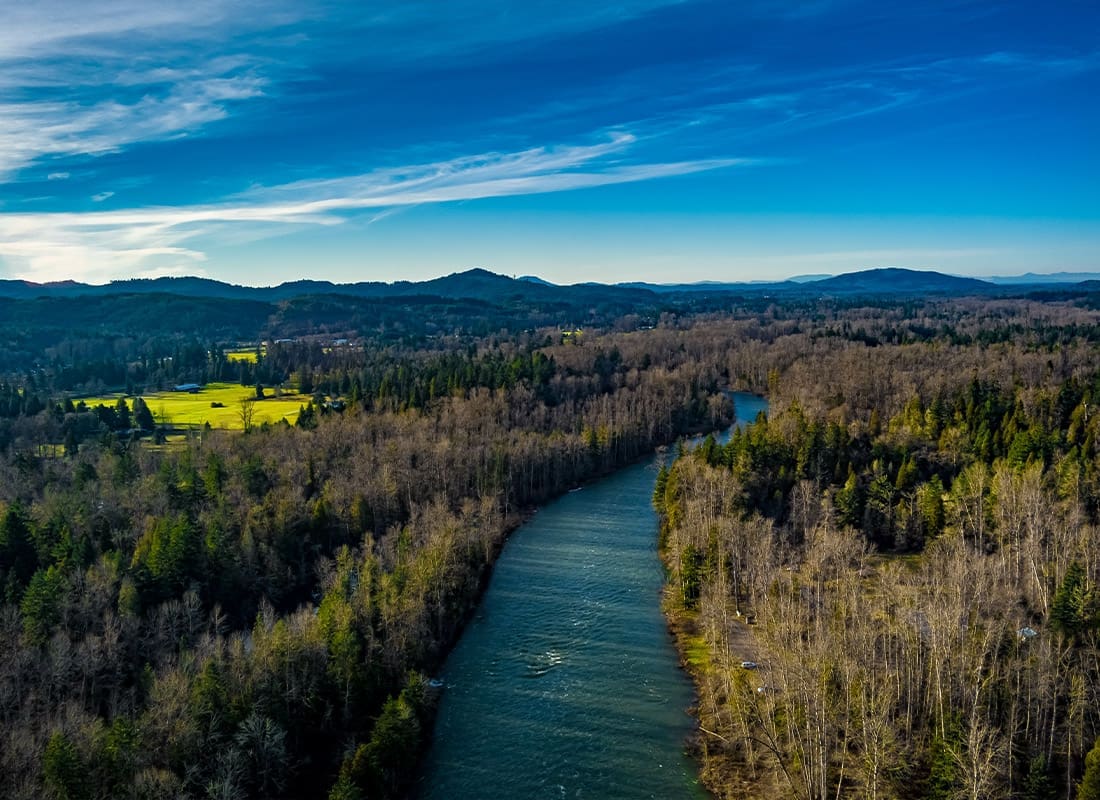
[[662, 140]]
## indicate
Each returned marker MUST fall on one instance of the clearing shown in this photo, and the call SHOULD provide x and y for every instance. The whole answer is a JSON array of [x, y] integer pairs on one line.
[[184, 409]]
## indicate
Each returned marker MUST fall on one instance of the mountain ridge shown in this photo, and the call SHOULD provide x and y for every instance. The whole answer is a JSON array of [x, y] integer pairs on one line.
[[482, 284]]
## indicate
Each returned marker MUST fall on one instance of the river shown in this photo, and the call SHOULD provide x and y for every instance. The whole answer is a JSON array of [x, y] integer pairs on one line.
[[566, 684]]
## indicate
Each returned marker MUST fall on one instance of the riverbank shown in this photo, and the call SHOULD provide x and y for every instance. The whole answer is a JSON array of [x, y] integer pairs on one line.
[[695, 661], [721, 767], [720, 771]]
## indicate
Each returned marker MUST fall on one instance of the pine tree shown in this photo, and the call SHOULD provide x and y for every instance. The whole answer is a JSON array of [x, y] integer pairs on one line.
[[63, 768], [1038, 785], [1069, 607], [1089, 787]]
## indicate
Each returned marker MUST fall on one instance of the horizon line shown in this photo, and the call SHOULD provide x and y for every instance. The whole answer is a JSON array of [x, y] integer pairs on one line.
[[795, 278]]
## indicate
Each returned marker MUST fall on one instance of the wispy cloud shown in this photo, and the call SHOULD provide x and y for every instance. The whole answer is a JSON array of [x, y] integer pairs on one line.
[[751, 101], [1043, 63], [32, 130], [90, 79], [100, 245], [95, 79]]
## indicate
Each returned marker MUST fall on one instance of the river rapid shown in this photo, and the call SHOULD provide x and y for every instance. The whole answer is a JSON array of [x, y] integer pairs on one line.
[[566, 683]]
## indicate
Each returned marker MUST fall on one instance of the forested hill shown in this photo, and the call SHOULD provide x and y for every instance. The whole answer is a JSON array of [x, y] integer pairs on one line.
[[474, 284], [902, 281], [148, 317], [481, 284], [881, 282], [55, 325]]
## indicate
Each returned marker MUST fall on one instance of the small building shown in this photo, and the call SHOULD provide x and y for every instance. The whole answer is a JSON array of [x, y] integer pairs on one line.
[[192, 388], [1026, 634]]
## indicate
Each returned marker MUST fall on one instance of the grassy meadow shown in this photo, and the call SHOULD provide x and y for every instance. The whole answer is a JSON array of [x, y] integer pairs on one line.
[[183, 409], [241, 355]]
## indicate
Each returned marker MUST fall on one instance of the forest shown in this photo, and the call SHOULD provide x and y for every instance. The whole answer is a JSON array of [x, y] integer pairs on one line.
[[892, 578], [258, 614], [255, 614]]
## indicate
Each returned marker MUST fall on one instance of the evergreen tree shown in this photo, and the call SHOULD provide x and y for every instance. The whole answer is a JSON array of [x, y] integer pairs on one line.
[[1089, 787], [122, 413], [1069, 610], [41, 605], [18, 559], [1038, 784], [64, 769], [143, 417]]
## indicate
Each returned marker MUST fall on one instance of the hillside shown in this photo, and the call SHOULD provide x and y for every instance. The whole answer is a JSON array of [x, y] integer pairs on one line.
[[481, 284], [478, 284], [893, 280]]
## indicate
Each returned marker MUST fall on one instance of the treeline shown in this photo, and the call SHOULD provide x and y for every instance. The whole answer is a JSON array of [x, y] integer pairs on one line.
[[253, 615], [912, 534], [76, 341], [93, 367], [334, 378]]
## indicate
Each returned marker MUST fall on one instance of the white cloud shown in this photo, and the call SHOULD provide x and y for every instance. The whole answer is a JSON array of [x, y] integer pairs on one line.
[[57, 176], [89, 79], [86, 79], [101, 245], [32, 130], [99, 198]]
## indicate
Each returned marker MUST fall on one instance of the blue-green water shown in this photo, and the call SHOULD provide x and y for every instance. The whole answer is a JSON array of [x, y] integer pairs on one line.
[[566, 683]]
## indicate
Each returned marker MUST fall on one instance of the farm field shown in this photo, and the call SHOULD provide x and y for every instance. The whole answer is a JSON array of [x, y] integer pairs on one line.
[[248, 355], [182, 409]]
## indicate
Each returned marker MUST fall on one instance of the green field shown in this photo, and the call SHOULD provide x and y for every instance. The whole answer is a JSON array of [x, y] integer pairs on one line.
[[241, 355], [183, 409]]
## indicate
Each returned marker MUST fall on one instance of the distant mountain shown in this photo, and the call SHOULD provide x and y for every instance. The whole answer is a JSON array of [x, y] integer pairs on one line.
[[871, 281], [1032, 278], [499, 292], [187, 287], [489, 287], [894, 280], [473, 284]]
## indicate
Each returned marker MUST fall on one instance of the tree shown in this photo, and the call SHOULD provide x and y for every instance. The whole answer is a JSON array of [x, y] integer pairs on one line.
[[123, 413], [247, 412], [263, 744], [305, 382], [18, 559], [64, 769], [930, 507], [143, 417], [41, 606], [394, 742], [849, 502], [1089, 787], [72, 443], [1038, 785], [1069, 612]]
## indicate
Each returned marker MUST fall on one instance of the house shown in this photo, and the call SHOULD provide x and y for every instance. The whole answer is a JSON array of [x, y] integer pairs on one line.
[[192, 388]]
